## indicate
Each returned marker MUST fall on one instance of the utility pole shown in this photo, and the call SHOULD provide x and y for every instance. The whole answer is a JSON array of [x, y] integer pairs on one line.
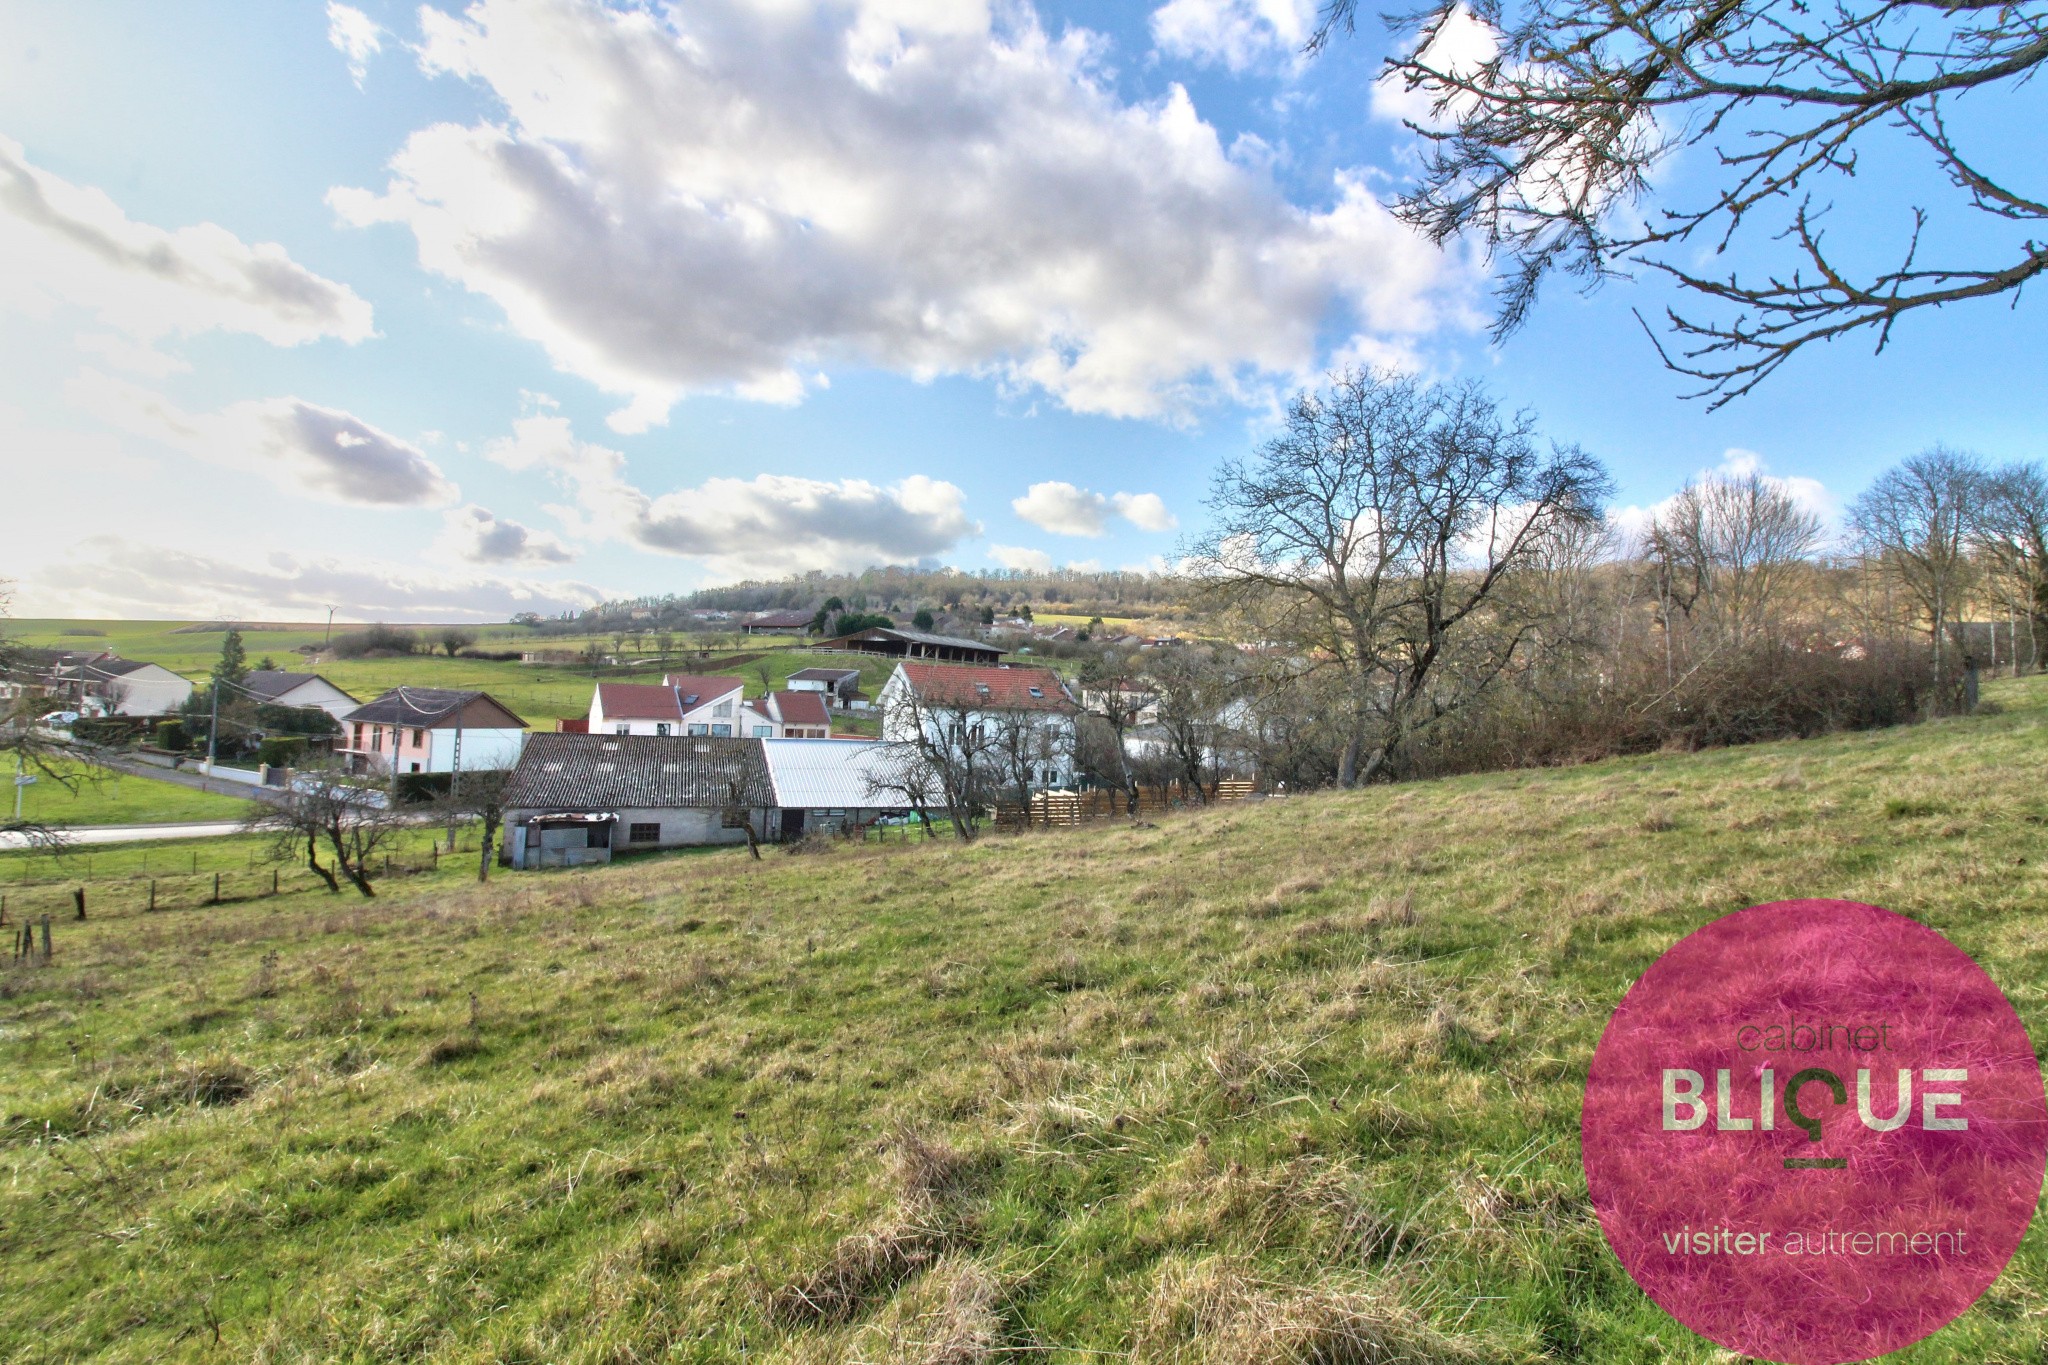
[[20, 770], [213, 724]]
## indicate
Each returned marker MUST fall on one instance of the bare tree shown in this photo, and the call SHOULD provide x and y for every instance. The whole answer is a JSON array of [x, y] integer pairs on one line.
[[478, 795], [1917, 523], [323, 807], [1379, 532], [1726, 550], [454, 639], [1023, 745], [1195, 687], [1548, 119], [1112, 692], [902, 775], [954, 748], [2013, 537]]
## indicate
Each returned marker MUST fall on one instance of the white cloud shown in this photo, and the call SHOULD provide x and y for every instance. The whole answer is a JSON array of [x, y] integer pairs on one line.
[[1237, 34], [356, 36], [767, 526], [1021, 558], [1463, 45], [109, 576], [476, 535], [1146, 511], [1066, 510], [302, 447], [65, 244], [731, 196]]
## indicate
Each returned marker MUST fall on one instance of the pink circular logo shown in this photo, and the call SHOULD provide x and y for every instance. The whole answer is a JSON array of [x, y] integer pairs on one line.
[[1814, 1131]]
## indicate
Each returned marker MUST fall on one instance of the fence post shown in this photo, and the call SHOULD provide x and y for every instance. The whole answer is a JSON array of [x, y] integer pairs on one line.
[[216, 888], [273, 881], [46, 938], [152, 893], [78, 895]]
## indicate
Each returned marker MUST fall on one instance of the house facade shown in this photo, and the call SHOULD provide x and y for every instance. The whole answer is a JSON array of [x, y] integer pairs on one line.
[[578, 799], [274, 687], [681, 704], [987, 706], [111, 686], [431, 730], [839, 686]]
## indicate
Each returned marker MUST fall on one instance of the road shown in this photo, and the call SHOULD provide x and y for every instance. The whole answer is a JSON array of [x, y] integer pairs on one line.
[[129, 834], [196, 781]]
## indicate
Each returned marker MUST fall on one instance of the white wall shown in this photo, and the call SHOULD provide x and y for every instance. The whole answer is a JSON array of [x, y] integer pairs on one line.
[[480, 749], [152, 691]]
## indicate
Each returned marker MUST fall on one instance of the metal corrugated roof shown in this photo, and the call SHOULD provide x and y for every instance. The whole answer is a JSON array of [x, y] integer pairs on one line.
[[828, 774]]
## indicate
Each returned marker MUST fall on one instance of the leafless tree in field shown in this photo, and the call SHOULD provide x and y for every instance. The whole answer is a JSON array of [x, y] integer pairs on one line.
[[478, 795], [324, 808], [1022, 746], [1726, 551], [900, 775], [953, 748], [1917, 523], [454, 639], [2013, 537], [1196, 687], [1382, 532], [1112, 692], [1548, 119]]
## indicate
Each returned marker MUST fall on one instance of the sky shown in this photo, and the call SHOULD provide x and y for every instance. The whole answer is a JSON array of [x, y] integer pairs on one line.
[[441, 313]]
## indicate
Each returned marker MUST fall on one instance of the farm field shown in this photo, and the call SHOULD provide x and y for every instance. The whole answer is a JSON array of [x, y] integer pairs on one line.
[[106, 797], [1284, 1081]]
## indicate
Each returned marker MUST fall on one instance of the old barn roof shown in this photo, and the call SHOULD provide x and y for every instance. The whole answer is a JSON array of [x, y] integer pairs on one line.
[[603, 772]]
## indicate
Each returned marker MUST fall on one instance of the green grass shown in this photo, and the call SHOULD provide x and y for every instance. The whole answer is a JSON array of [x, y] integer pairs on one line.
[[1051, 1096], [106, 797]]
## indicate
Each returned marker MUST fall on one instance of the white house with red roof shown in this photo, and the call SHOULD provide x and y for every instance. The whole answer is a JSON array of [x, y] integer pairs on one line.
[[680, 704], [942, 700], [796, 715]]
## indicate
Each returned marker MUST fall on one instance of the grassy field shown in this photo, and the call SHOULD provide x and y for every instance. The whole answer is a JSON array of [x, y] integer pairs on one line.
[[106, 797], [1288, 1081]]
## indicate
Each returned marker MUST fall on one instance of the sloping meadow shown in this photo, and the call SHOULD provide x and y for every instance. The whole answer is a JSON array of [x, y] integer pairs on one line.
[[1287, 1081]]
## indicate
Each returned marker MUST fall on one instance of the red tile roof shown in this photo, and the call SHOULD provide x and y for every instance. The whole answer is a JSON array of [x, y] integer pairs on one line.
[[701, 686], [801, 708], [988, 687], [668, 701]]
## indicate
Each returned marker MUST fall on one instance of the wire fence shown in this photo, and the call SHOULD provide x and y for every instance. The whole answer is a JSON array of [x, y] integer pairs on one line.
[[82, 897]]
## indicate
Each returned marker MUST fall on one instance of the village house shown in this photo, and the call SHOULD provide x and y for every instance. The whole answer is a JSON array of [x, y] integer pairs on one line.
[[577, 799], [839, 686], [431, 730], [112, 686], [795, 715], [274, 687], [941, 701], [681, 704]]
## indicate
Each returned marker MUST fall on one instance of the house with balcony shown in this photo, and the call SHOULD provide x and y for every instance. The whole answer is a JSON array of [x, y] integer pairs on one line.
[[431, 730]]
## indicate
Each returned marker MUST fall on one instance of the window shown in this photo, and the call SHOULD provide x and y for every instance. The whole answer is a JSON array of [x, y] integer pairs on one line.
[[764, 732], [725, 730], [621, 728], [643, 834], [415, 767], [723, 708], [377, 739], [698, 728], [1036, 691], [661, 727], [419, 737]]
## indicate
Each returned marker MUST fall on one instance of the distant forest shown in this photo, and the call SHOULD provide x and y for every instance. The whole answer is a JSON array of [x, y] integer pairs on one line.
[[901, 591]]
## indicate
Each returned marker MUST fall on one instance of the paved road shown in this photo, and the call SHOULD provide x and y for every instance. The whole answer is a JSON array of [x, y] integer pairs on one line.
[[128, 834]]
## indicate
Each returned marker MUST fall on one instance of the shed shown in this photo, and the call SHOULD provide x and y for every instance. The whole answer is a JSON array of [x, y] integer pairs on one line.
[[581, 798]]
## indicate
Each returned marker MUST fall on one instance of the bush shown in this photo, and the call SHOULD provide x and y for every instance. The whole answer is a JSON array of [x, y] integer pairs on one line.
[[498, 656], [109, 731], [377, 639], [170, 734], [419, 789], [297, 720], [281, 751]]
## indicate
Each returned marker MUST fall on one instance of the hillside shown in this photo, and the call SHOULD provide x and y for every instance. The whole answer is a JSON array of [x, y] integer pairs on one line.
[[1296, 1080]]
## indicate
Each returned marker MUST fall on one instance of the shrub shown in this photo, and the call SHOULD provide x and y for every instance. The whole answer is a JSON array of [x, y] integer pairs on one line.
[[374, 640], [281, 751], [170, 734], [108, 731]]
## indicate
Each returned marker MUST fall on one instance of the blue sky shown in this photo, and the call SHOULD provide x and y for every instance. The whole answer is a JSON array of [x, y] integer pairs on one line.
[[426, 313]]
